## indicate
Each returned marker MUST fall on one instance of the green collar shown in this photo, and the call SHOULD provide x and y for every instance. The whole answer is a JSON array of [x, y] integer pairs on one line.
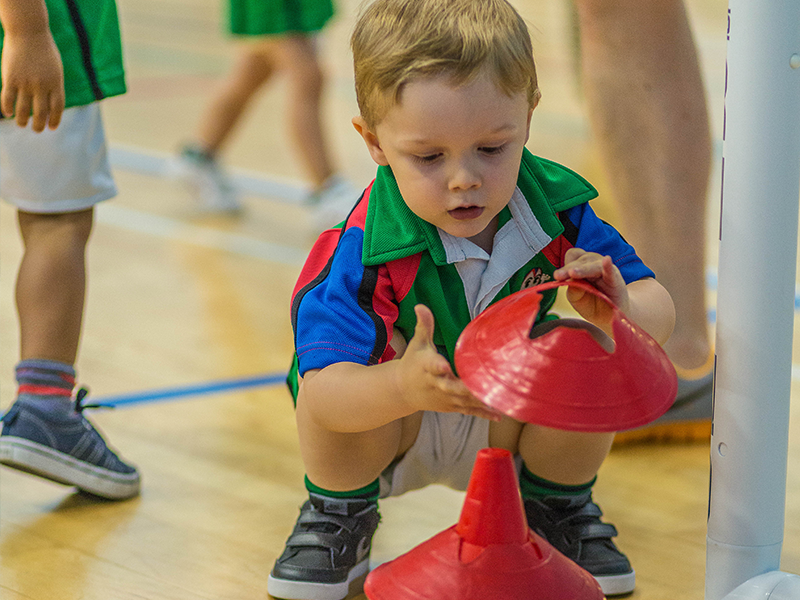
[[392, 231]]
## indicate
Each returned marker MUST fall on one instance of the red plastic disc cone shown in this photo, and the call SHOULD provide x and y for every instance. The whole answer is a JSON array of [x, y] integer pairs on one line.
[[490, 554], [564, 379]]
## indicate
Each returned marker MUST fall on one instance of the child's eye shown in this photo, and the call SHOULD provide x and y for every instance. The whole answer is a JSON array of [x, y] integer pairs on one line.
[[492, 150], [427, 159]]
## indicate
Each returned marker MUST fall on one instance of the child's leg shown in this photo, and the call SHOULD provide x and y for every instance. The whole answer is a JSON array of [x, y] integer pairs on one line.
[[44, 431], [349, 461], [332, 196], [563, 457], [300, 60], [51, 284], [558, 471], [198, 165], [253, 68], [330, 545]]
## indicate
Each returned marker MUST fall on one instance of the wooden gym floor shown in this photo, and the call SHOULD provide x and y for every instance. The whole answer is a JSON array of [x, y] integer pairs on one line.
[[178, 303]]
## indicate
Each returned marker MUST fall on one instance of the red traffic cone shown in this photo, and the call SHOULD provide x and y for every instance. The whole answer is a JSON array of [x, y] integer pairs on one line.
[[490, 554], [564, 379]]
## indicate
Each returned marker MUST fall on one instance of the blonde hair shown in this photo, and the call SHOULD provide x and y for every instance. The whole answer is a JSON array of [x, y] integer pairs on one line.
[[395, 41]]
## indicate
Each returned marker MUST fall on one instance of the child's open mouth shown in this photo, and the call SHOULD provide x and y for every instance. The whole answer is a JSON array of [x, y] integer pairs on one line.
[[466, 212]]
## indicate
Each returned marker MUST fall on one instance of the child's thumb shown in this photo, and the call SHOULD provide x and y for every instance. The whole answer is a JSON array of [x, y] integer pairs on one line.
[[423, 332]]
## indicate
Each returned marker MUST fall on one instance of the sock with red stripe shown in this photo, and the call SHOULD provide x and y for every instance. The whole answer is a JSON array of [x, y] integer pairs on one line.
[[45, 384]]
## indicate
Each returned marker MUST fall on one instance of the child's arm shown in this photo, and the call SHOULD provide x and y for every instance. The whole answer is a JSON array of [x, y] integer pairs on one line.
[[31, 70], [348, 397], [645, 301]]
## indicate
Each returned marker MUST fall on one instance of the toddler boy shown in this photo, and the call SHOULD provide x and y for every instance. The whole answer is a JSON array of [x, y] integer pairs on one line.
[[459, 216]]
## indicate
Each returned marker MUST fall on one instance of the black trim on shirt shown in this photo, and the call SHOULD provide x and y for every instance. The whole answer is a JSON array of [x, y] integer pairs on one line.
[[570, 230], [298, 298], [366, 292], [86, 50]]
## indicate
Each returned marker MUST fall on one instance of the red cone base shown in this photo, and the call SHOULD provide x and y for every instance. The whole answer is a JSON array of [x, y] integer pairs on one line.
[[491, 554]]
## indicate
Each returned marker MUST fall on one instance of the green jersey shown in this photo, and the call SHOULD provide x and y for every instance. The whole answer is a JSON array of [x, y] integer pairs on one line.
[[88, 38]]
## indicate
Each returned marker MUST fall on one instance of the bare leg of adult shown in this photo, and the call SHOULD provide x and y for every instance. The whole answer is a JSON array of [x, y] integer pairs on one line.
[[649, 117]]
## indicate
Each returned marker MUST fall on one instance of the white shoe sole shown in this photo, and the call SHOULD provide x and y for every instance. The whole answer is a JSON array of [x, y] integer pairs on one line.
[[288, 589], [30, 457], [616, 585]]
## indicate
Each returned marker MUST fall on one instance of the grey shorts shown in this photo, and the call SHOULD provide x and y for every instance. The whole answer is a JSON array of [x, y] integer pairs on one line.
[[59, 171], [443, 453]]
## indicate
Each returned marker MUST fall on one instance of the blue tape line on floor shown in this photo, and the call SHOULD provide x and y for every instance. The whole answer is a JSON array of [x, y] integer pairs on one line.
[[212, 387]]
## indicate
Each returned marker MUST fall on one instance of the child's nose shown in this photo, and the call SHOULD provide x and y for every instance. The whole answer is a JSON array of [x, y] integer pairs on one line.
[[464, 177]]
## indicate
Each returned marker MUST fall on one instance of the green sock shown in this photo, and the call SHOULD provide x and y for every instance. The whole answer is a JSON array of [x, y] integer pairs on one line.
[[534, 487], [369, 492]]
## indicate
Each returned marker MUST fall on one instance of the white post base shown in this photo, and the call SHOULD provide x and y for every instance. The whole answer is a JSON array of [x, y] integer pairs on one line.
[[728, 563], [774, 585]]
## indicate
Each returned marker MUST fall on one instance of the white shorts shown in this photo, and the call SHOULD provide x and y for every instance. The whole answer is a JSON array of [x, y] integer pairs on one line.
[[443, 453], [59, 171]]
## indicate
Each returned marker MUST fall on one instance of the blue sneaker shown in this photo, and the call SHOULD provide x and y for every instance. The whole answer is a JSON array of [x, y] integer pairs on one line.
[[66, 448]]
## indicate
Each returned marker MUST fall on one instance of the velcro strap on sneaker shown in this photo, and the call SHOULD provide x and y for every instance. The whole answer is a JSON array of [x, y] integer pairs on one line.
[[315, 539], [590, 509], [596, 531], [317, 518]]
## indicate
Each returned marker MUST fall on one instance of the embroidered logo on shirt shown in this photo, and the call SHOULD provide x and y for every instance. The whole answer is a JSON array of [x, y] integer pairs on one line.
[[535, 277]]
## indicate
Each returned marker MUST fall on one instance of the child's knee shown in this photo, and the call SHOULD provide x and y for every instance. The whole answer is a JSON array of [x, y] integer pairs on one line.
[[68, 230]]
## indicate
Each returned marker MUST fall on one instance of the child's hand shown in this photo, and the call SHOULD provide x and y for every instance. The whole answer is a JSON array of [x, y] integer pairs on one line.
[[428, 382], [601, 272], [33, 80]]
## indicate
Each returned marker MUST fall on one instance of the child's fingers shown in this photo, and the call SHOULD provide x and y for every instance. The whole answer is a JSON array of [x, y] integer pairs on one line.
[[575, 294], [439, 367], [477, 408], [609, 271], [465, 403], [8, 98], [23, 108], [484, 413], [452, 386], [573, 254], [56, 108], [40, 113], [572, 262]]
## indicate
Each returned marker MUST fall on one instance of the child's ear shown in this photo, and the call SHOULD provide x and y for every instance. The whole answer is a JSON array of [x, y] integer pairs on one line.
[[528, 128], [371, 140]]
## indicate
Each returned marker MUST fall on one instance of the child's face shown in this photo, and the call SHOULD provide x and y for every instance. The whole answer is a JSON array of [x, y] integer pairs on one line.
[[455, 151]]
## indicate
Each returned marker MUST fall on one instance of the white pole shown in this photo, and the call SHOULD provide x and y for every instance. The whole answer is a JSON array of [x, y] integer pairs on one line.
[[755, 303]]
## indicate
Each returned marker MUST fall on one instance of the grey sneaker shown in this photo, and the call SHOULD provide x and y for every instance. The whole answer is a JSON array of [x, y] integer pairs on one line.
[[328, 549], [572, 525], [687, 420], [207, 181], [65, 448]]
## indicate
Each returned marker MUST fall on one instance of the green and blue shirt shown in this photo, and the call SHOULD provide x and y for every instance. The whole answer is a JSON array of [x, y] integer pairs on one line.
[[363, 278]]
